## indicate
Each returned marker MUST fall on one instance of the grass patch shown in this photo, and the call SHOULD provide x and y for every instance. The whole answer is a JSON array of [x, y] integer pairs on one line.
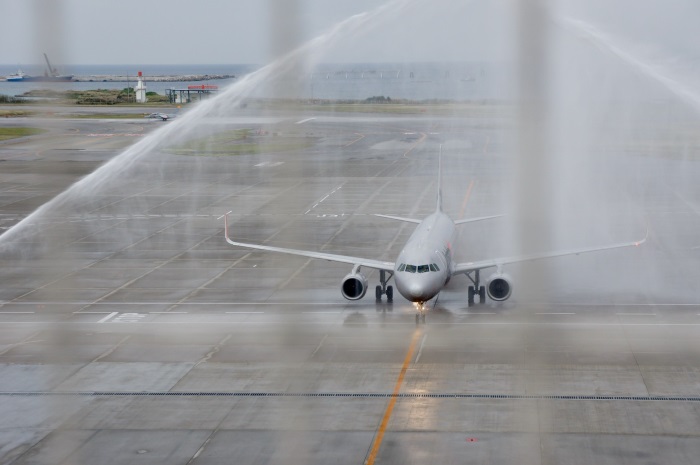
[[433, 109], [10, 99], [14, 113], [95, 96], [385, 105], [374, 108], [241, 142], [13, 133], [108, 115]]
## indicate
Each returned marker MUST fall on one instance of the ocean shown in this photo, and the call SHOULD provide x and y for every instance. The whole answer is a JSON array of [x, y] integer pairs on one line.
[[355, 81]]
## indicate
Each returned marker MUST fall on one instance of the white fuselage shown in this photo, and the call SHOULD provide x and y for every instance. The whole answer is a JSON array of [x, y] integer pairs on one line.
[[425, 264]]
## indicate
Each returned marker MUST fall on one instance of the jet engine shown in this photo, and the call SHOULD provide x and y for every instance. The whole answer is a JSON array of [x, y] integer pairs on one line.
[[499, 287], [354, 286]]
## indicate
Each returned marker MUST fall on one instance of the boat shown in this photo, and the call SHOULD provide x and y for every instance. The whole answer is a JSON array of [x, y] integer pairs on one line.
[[21, 77], [47, 78], [16, 77], [51, 75]]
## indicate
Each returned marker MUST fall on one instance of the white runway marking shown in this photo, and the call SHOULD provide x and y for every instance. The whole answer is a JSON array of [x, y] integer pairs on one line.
[[269, 164], [129, 318], [636, 314], [420, 349], [583, 304], [561, 313], [325, 336], [408, 322], [110, 351], [202, 304], [245, 313], [9, 313], [323, 199], [305, 120], [108, 317]]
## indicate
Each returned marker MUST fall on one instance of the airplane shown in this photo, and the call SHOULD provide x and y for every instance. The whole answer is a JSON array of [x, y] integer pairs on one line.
[[160, 116], [426, 264]]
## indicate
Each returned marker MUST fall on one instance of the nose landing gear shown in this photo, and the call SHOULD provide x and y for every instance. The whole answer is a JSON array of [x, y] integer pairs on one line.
[[420, 313]]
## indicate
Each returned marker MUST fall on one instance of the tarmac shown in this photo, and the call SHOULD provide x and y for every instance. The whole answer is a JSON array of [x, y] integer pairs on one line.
[[130, 332]]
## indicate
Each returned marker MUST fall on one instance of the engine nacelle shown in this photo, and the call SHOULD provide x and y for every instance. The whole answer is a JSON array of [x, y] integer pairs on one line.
[[499, 287], [354, 286]]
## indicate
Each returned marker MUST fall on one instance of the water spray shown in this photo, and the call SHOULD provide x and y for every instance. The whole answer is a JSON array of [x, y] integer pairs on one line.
[[232, 97], [606, 43]]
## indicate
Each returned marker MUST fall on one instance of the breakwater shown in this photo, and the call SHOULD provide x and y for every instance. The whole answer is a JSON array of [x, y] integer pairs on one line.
[[175, 78]]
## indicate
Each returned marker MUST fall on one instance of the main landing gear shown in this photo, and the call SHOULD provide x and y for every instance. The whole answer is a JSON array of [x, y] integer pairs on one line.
[[476, 289], [383, 289]]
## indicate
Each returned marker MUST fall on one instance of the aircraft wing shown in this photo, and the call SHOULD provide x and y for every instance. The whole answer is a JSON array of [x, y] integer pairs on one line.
[[480, 265], [366, 262]]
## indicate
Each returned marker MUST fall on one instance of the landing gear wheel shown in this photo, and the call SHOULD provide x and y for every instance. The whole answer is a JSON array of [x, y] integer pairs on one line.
[[383, 289], [470, 296], [482, 295]]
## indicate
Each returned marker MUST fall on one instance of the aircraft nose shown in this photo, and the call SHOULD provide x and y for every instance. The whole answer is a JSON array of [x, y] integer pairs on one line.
[[415, 290]]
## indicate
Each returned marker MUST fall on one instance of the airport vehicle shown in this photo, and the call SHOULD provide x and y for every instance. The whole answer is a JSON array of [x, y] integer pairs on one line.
[[426, 265]]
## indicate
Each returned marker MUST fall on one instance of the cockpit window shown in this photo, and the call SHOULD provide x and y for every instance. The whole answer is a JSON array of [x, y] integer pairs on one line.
[[418, 268]]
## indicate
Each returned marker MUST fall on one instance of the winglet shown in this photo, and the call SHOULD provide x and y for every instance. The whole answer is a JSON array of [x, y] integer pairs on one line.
[[226, 226], [646, 236]]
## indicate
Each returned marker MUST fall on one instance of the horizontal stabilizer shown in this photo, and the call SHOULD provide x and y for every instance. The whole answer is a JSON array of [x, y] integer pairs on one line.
[[474, 220], [399, 218]]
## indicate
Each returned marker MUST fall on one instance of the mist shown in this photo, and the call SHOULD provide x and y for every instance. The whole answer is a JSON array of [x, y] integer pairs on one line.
[[575, 120]]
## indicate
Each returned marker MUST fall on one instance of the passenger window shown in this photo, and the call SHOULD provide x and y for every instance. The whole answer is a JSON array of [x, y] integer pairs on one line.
[[423, 268], [402, 267], [411, 268]]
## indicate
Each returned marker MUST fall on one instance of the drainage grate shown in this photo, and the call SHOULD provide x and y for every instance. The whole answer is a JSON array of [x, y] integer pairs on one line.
[[347, 395]]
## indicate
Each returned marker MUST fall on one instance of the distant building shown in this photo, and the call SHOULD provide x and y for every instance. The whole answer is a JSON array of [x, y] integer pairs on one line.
[[192, 93]]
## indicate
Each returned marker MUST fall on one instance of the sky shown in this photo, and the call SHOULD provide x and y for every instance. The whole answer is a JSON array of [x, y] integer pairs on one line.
[[255, 31], [232, 31]]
